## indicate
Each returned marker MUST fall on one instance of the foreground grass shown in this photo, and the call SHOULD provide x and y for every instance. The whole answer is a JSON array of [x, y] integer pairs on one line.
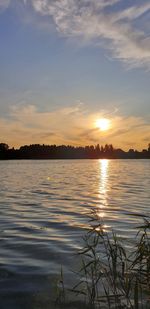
[[110, 276]]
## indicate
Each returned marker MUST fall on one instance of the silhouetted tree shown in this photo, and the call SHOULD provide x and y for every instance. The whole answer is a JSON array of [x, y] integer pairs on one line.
[[3, 150], [3, 147], [37, 151], [97, 151]]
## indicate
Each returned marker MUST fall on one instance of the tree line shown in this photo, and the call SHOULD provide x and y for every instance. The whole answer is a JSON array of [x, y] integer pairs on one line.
[[37, 151]]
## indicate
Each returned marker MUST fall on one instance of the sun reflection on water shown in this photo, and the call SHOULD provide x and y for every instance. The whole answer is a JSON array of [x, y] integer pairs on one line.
[[103, 186]]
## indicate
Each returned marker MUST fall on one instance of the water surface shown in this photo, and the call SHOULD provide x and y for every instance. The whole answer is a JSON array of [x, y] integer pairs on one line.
[[44, 208]]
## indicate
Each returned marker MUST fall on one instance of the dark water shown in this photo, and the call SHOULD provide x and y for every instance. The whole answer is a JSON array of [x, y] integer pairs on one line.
[[43, 216]]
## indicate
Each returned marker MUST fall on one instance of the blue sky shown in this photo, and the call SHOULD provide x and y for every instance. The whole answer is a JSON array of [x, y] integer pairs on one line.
[[66, 63]]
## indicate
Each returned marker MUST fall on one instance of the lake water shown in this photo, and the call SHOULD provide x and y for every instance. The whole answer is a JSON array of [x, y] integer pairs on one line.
[[44, 208]]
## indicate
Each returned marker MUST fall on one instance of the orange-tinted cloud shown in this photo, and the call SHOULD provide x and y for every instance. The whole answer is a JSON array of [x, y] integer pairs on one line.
[[72, 125]]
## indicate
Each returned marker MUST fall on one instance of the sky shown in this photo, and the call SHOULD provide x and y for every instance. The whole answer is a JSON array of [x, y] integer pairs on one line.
[[65, 64]]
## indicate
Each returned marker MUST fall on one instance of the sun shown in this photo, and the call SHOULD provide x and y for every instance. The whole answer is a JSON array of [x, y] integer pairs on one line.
[[103, 124]]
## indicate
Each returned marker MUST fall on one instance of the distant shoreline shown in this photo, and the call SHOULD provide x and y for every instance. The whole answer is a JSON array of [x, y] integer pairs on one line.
[[63, 152], [74, 159]]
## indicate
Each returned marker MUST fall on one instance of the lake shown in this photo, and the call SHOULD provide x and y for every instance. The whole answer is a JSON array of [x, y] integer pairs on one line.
[[44, 207]]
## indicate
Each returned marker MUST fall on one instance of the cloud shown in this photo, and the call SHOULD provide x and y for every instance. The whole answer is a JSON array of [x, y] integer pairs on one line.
[[114, 24], [72, 125], [4, 4], [25, 124], [117, 27]]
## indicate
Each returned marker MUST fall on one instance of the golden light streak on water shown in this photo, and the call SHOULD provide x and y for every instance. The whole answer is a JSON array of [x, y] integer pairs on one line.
[[103, 186]]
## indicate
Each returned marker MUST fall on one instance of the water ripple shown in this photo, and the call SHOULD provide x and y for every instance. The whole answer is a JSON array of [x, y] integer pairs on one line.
[[44, 207]]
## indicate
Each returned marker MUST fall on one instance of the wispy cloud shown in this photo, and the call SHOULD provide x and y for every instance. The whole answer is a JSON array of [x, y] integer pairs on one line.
[[72, 125], [4, 4], [112, 23], [117, 27]]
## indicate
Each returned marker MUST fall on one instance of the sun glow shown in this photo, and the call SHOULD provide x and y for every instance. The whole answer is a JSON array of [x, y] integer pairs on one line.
[[103, 124]]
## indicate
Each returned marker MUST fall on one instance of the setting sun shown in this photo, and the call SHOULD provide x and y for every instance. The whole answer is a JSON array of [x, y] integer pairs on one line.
[[103, 124]]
